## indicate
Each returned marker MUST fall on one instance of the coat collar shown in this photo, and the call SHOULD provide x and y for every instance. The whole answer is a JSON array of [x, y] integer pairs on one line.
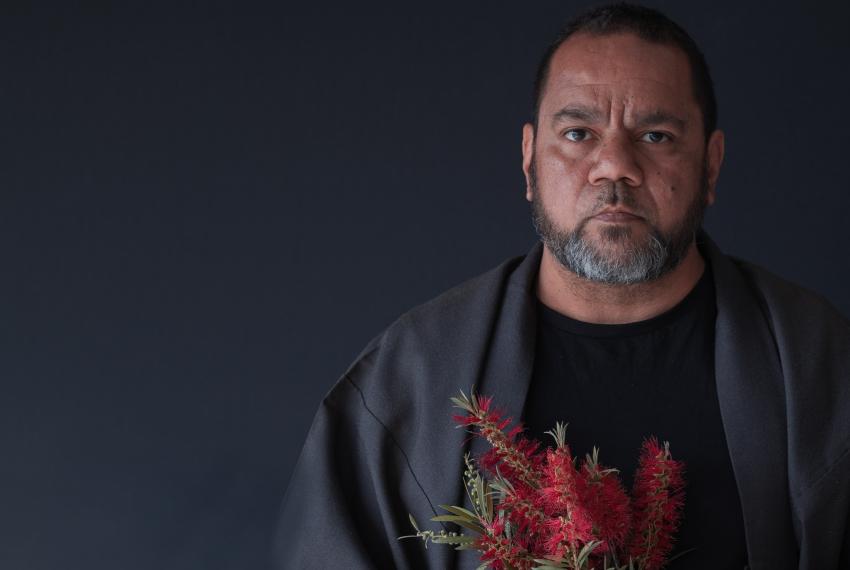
[[751, 392], [749, 386]]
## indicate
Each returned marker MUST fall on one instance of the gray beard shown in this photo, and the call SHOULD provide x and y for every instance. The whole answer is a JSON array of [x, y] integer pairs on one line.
[[636, 262]]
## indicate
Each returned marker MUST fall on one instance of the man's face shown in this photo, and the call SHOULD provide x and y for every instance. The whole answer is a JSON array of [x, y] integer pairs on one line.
[[618, 171]]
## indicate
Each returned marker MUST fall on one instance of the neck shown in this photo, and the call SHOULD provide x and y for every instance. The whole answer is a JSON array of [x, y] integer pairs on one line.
[[593, 302]]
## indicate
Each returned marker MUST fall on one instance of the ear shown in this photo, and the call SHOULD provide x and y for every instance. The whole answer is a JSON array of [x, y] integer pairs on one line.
[[527, 157], [714, 158]]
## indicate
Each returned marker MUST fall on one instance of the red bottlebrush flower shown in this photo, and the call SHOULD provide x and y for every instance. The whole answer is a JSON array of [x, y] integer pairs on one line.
[[658, 498], [517, 461], [500, 551], [527, 519], [560, 497], [484, 403], [516, 431], [565, 535], [561, 481], [465, 420], [608, 505], [515, 456]]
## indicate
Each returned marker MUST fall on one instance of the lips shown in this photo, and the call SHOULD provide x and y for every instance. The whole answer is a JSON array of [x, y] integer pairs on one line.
[[617, 216]]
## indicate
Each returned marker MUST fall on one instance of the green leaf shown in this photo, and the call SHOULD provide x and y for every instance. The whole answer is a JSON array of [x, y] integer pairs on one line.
[[459, 520], [551, 562], [559, 434], [489, 504], [460, 511], [448, 518], [456, 539], [413, 522], [482, 490], [584, 553]]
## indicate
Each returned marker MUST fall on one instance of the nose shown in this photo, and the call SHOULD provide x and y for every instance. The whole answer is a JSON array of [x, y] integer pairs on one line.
[[615, 161]]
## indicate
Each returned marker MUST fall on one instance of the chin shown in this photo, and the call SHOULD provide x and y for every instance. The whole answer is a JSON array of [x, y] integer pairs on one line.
[[625, 235]]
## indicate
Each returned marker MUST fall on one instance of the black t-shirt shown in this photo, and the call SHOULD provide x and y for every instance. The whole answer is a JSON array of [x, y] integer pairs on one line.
[[617, 384]]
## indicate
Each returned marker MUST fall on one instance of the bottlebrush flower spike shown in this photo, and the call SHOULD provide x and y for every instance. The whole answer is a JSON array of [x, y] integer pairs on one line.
[[658, 499], [515, 456], [608, 505], [561, 499], [500, 551], [520, 508]]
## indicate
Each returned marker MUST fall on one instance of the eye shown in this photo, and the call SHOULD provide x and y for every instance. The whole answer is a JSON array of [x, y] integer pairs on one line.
[[655, 137], [576, 135]]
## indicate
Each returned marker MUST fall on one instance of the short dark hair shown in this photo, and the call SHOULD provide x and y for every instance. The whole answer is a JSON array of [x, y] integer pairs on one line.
[[648, 24]]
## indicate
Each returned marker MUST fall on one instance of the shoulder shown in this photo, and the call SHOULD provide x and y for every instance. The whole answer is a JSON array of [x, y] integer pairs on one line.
[[813, 343], [790, 303], [442, 321], [427, 348]]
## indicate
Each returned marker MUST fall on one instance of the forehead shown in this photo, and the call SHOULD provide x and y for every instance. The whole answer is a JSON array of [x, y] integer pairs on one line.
[[619, 70]]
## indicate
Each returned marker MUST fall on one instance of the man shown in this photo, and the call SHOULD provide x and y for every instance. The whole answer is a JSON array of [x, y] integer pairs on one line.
[[626, 321]]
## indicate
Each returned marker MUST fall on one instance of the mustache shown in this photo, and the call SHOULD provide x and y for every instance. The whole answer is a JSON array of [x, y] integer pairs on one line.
[[617, 194]]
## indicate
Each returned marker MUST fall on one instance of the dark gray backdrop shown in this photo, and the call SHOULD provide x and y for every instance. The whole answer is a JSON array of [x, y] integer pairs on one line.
[[208, 209]]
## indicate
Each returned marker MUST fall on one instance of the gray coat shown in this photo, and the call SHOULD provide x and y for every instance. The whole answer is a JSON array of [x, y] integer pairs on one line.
[[383, 444]]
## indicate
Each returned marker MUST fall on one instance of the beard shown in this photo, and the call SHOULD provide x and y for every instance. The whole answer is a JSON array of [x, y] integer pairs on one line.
[[622, 258]]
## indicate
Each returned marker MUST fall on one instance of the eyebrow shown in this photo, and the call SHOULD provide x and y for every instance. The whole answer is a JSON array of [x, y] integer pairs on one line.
[[591, 115], [660, 118], [577, 113]]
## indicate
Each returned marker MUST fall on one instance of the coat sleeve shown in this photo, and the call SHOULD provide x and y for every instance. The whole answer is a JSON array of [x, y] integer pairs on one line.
[[344, 506]]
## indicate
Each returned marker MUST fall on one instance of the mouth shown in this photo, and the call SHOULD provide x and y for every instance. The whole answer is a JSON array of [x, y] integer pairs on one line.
[[617, 216]]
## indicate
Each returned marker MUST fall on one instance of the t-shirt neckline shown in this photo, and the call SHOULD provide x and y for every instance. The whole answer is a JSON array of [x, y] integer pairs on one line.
[[689, 303]]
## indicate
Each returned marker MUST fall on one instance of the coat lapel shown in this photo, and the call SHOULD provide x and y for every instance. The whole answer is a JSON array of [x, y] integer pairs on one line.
[[752, 403], [506, 370]]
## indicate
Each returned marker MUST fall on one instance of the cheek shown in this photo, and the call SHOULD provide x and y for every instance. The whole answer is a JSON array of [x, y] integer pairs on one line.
[[661, 194], [561, 173], [557, 164], [672, 198]]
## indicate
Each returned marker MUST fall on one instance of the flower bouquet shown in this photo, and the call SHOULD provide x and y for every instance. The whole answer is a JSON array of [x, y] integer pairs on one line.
[[543, 509]]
